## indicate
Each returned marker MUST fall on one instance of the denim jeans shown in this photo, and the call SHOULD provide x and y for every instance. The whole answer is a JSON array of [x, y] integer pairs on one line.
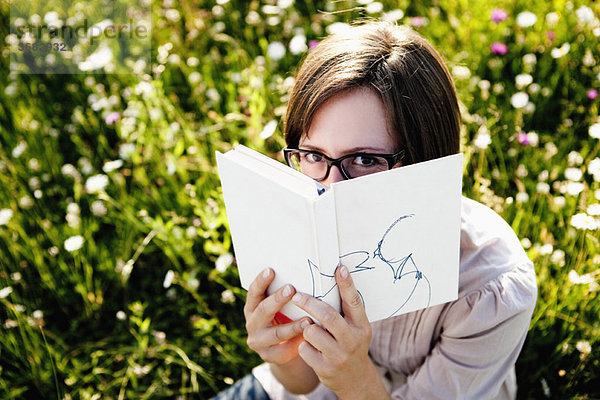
[[247, 388]]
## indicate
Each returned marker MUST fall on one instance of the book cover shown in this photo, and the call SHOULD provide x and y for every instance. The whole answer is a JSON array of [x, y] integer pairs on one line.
[[397, 231]]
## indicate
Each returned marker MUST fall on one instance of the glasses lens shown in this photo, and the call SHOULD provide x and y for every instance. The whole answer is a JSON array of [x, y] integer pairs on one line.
[[311, 164], [361, 165]]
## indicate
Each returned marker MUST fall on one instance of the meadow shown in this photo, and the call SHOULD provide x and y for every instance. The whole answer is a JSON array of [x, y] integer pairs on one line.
[[117, 274]]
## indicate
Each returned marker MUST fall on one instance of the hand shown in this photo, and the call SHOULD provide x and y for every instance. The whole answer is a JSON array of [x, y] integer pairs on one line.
[[338, 352], [274, 343]]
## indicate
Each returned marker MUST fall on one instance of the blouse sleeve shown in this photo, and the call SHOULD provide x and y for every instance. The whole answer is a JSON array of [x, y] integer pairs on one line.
[[482, 334]]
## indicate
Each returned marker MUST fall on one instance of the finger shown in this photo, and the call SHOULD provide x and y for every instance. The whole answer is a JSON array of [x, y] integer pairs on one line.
[[280, 333], [320, 340], [311, 356], [282, 352], [322, 312], [264, 313], [257, 289], [352, 304]]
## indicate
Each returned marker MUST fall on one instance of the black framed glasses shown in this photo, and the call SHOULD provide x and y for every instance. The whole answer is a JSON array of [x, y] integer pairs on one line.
[[317, 165]]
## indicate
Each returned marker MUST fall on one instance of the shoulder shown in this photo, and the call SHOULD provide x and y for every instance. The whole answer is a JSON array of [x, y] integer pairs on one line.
[[489, 247], [497, 280]]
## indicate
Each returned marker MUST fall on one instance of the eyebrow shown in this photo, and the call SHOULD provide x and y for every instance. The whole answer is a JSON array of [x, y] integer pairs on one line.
[[358, 149]]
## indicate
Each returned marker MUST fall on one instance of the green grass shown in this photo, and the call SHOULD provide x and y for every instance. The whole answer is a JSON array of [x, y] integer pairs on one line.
[[102, 320]]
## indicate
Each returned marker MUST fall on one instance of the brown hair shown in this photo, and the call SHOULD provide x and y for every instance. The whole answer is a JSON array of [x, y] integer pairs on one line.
[[397, 63]]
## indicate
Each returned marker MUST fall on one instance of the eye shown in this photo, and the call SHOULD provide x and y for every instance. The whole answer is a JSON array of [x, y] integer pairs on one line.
[[313, 157], [366, 161]]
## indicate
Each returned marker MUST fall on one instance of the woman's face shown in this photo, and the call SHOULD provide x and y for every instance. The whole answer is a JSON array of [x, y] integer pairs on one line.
[[352, 121]]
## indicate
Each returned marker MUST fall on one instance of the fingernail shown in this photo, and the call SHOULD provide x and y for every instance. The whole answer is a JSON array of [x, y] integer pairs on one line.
[[266, 273], [287, 290], [304, 324], [297, 297], [344, 272]]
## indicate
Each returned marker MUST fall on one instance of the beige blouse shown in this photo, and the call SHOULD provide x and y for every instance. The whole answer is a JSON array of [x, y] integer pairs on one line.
[[465, 349]]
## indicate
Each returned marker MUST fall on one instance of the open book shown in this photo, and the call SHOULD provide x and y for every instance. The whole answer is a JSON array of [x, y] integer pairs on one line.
[[397, 231]]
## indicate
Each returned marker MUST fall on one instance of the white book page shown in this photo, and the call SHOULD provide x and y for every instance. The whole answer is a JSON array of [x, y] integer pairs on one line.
[[399, 234], [271, 224]]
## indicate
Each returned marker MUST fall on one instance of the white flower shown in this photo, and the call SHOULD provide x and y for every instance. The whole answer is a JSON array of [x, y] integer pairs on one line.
[[168, 279], [593, 209], [574, 188], [583, 346], [574, 158], [546, 249], [71, 171], [526, 243], [223, 262], [585, 14], [194, 77], [172, 15], [594, 130], [552, 19], [126, 150], [143, 88], [5, 215], [98, 208], [19, 149], [484, 84], [283, 4], [73, 208], [276, 50], [73, 243], [461, 72], [573, 174], [522, 197], [112, 165], [559, 201], [526, 19], [393, 15], [543, 187], [96, 183], [519, 100], [482, 141], [374, 7], [558, 52], [594, 169], [97, 29], [269, 129], [577, 279], [522, 80], [584, 222], [298, 44], [100, 58], [85, 165], [558, 257], [337, 27], [121, 316], [38, 314], [5, 292], [227, 296], [529, 59]]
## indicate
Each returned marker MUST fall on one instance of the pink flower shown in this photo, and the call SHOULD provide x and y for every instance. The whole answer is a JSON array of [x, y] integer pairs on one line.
[[417, 22], [498, 15], [522, 139], [592, 94], [499, 48], [312, 44], [112, 117], [550, 35]]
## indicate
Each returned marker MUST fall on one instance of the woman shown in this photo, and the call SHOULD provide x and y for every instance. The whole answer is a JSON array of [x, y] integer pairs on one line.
[[382, 89]]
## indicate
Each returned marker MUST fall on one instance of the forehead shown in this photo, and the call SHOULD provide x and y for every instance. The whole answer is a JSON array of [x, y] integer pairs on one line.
[[352, 120]]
